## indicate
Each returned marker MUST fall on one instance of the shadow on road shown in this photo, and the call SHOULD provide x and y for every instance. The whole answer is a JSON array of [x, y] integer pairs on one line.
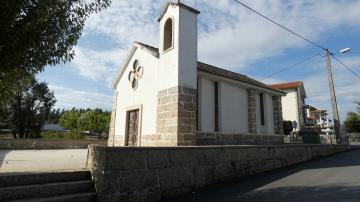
[[249, 188], [308, 193]]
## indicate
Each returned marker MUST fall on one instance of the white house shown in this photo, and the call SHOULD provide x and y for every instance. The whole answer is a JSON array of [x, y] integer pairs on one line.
[[315, 116], [293, 103], [165, 97]]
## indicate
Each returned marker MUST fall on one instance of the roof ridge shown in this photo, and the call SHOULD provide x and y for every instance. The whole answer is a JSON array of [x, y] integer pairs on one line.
[[233, 75], [287, 82], [166, 6], [147, 45], [223, 69], [220, 71]]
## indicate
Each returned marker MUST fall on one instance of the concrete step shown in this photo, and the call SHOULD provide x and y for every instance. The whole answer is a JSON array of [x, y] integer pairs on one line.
[[45, 190], [14, 179], [78, 197]]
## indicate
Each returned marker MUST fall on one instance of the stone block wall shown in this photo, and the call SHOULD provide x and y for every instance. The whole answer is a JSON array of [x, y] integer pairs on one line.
[[47, 143], [251, 111], [215, 138], [176, 118], [154, 173], [278, 120], [111, 140]]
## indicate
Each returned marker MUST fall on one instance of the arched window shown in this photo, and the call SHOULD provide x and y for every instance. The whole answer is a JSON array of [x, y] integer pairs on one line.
[[168, 34]]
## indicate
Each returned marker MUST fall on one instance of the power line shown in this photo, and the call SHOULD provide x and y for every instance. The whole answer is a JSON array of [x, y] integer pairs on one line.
[[298, 35], [348, 68], [290, 66], [279, 25]]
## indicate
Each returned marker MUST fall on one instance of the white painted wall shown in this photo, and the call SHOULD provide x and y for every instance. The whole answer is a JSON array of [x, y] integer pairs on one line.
[[145, 94], [268, 128], [290, 106], [300, 109], [269, 114], [207, 105], [178, 65], [168, 59], [187, 48], [233, 109]]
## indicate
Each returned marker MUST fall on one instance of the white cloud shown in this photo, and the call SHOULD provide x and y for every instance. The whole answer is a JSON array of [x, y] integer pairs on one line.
[[127, 21], [237, 37], [98, 65], [69, 98], [229, 36], [347, 87]]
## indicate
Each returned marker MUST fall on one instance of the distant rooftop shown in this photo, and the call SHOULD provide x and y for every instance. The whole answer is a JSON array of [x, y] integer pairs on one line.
[[284, 86]]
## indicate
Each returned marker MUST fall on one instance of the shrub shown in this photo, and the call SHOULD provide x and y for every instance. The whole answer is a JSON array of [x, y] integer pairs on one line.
[[73, 135], [61, 135], [52, 135], [287, 125]]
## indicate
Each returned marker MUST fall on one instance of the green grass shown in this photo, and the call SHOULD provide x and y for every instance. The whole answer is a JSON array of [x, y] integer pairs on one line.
[[61, 135]]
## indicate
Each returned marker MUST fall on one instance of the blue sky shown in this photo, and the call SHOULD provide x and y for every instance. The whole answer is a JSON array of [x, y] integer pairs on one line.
[[229, 37]]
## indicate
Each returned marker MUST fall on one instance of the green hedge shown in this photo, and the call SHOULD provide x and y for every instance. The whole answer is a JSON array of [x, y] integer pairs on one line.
[[61, 135]]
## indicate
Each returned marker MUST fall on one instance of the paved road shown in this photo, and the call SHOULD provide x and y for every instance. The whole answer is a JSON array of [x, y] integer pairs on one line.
[[42, 160], [336, 178]]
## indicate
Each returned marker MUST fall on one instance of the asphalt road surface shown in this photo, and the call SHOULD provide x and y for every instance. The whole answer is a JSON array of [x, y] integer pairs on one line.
[[335, 178]]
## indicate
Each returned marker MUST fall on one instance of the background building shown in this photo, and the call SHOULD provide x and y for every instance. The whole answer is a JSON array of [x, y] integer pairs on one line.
[[294, 101]]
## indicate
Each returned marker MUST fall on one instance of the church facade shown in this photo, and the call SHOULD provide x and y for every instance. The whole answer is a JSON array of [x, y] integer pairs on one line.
[[165, 97]]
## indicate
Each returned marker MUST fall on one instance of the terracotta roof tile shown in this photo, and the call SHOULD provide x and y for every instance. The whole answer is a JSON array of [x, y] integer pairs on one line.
[[283, 86]]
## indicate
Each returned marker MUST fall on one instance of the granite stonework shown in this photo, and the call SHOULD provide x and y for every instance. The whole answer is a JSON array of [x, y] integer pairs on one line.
[[176, 123], [154, 173], [216, 138], [176, 118], [111, 138], [278, 119], [251, 111]]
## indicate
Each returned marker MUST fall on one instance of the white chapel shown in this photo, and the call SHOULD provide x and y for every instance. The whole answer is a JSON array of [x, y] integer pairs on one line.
[[165, 97]]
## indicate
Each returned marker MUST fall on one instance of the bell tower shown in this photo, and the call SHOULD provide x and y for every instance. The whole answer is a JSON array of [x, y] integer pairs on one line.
[[178, 46], [177, 75]]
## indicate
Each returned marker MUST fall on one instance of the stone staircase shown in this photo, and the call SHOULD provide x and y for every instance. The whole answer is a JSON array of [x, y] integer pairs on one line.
[[68, 186]]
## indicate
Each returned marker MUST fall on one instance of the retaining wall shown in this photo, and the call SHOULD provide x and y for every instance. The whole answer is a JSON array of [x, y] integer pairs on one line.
[[215, 138], [47, 143], [150, 173]]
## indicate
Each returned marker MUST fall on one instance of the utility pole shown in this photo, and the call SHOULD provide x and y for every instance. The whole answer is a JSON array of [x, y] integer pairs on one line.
[[333, 97]]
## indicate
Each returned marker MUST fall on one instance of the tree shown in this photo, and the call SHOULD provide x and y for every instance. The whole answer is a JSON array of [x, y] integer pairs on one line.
[[287, 125], [9, 88], [358, 107], [352, 122], [69, 120], [29, 109], [95, 121], [36, 33], [55, 115]]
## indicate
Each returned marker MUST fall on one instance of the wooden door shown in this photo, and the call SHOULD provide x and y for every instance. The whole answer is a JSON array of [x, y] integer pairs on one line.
[[132, 127]]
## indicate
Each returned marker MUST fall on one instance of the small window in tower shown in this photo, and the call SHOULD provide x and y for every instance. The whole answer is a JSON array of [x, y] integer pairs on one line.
[[168, 34]]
